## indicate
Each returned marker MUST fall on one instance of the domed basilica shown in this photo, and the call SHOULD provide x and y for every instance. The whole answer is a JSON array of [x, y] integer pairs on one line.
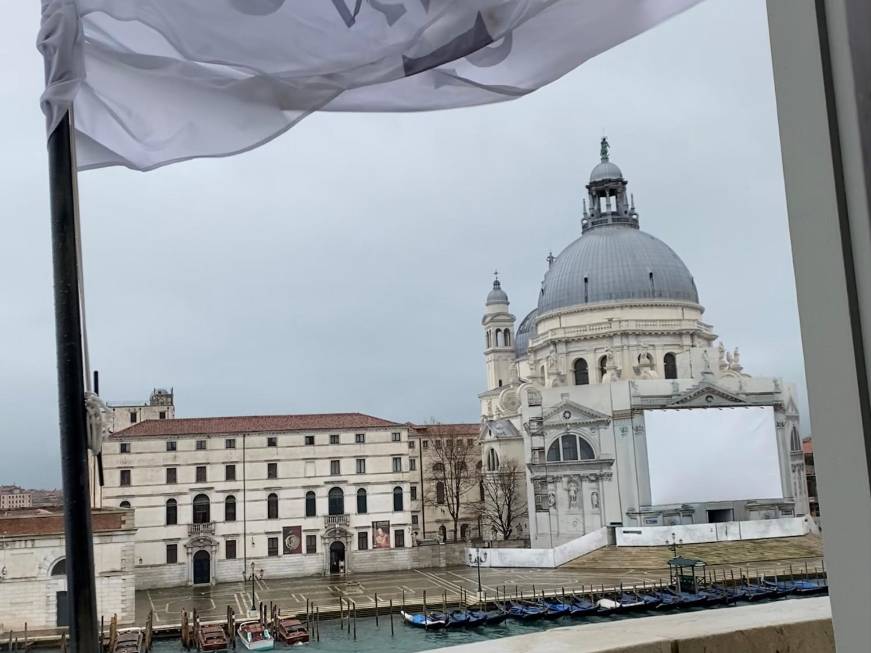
[[617, 330]]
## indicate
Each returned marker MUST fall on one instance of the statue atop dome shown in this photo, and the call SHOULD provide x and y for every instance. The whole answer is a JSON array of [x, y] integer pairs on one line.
[[604, 148]]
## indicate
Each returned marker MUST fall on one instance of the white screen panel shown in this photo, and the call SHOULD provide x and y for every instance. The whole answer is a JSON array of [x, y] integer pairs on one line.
[[712, 454]]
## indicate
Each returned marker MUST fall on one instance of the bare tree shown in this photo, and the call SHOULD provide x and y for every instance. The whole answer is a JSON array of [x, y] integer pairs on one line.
[[452, 468], [503, 502]]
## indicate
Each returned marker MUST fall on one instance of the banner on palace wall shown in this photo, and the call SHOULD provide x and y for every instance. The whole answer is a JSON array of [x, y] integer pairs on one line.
[[380, 534], [292, 536]]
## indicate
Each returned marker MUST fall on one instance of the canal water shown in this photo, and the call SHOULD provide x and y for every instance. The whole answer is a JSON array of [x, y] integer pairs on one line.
[[406, 639], [335, 637]]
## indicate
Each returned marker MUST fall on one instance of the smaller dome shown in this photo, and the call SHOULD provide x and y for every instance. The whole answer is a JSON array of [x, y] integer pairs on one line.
[[525, 331], [606, 170], [497, 295]]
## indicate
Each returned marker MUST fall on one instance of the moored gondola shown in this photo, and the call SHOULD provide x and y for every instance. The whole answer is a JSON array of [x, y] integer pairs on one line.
[[421, 620]]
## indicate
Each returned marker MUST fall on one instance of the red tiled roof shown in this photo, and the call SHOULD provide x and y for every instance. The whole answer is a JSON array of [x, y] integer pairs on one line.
[[32, 522], [807, 445], [252, 424], [446, 430]]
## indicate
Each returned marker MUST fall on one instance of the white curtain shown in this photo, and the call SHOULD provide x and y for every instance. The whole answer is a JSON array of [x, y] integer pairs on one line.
[[158, 81]]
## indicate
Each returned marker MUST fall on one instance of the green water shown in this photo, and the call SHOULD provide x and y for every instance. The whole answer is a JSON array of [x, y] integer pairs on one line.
[[335, 638]]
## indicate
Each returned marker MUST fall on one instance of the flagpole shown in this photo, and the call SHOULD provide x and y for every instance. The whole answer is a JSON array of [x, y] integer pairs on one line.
[[81, 587]]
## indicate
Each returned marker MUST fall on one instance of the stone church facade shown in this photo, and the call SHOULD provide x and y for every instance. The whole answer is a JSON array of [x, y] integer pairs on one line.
[[617, 330]]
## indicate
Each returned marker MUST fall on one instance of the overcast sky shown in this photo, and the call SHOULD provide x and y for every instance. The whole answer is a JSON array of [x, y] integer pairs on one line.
[[344, 266]]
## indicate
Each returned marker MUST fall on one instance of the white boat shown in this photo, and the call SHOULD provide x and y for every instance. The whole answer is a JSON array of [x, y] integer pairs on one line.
[[256, 637], [422, 621]]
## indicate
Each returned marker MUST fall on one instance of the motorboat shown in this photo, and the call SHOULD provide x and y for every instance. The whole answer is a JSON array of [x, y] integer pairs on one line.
[[256, 637], [291, 631]]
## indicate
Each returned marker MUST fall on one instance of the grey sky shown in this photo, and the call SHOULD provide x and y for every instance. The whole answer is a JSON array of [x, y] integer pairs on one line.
[[344, 265]]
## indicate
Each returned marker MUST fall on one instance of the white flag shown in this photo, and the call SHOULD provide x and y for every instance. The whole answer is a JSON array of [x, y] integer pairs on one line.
[[158, 81]]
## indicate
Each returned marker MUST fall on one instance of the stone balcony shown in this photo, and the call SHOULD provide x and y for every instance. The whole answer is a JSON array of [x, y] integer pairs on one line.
[[337, 520], [609, 327], [206, 528]]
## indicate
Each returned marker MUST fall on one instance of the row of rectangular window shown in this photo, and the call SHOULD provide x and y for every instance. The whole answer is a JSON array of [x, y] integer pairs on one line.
[[311, 546], [271, 441], [271, 471]]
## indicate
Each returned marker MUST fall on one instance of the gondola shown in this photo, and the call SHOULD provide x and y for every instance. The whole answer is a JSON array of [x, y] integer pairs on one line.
[[629, 602], [477, 618], [493, 617], [755, 592], [421, 620], [554, 608], [607, 606], [715, 596], [688, 599], [524, 611], [650, 599], [581, 606], [803, 587], [457, 618]]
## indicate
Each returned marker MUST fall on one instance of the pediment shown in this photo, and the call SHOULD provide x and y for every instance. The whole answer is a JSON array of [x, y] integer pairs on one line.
[[569, 413], [499, 429], [706, 394]]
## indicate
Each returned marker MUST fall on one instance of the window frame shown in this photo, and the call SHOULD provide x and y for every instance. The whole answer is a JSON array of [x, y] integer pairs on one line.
[[171, 475], [201, 445], [173, 548], [125, 478], [230, 472], [171, 445], [272, 546], [228, 550], [271, 470], [201, 478]]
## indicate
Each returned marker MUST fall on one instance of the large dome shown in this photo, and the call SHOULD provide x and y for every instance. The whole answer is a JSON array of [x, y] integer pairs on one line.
[[613, 263]]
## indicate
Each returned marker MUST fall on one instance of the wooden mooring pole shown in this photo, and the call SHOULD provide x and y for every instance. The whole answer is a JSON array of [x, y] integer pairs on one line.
[[318, 623], [391, 617], [355, 620], [376, 610]]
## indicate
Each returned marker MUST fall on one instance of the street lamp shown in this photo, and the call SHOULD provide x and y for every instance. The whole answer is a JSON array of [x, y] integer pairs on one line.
[[251, 577], [477, 560]]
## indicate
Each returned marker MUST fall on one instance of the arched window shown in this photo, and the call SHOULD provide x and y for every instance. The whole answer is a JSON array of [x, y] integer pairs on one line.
[[669, 366], [478, 466], [230, 508], [172, 512], [397, 499], [603, 367], [498, 337], [507, 338], [440, 492], [570, 447], [481, 488], [310, 504], [124, 504], [794, 440], [492, 460], [582, 372], [201, 509], [59, 568], [438, 467], [464, 531], [272, 506], [553, 453], [488, 340], [443, 533], [362, 507], [336, 501]]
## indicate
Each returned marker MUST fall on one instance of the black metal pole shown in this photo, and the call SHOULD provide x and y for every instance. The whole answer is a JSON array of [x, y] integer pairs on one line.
[[71, 393], [478, 560]]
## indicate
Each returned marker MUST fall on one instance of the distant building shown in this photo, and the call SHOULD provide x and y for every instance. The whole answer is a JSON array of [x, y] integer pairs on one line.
[[297, 494], [12, 497], [435, 520], [617, 330], [807, 447], [161, 405], [33, 584]]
